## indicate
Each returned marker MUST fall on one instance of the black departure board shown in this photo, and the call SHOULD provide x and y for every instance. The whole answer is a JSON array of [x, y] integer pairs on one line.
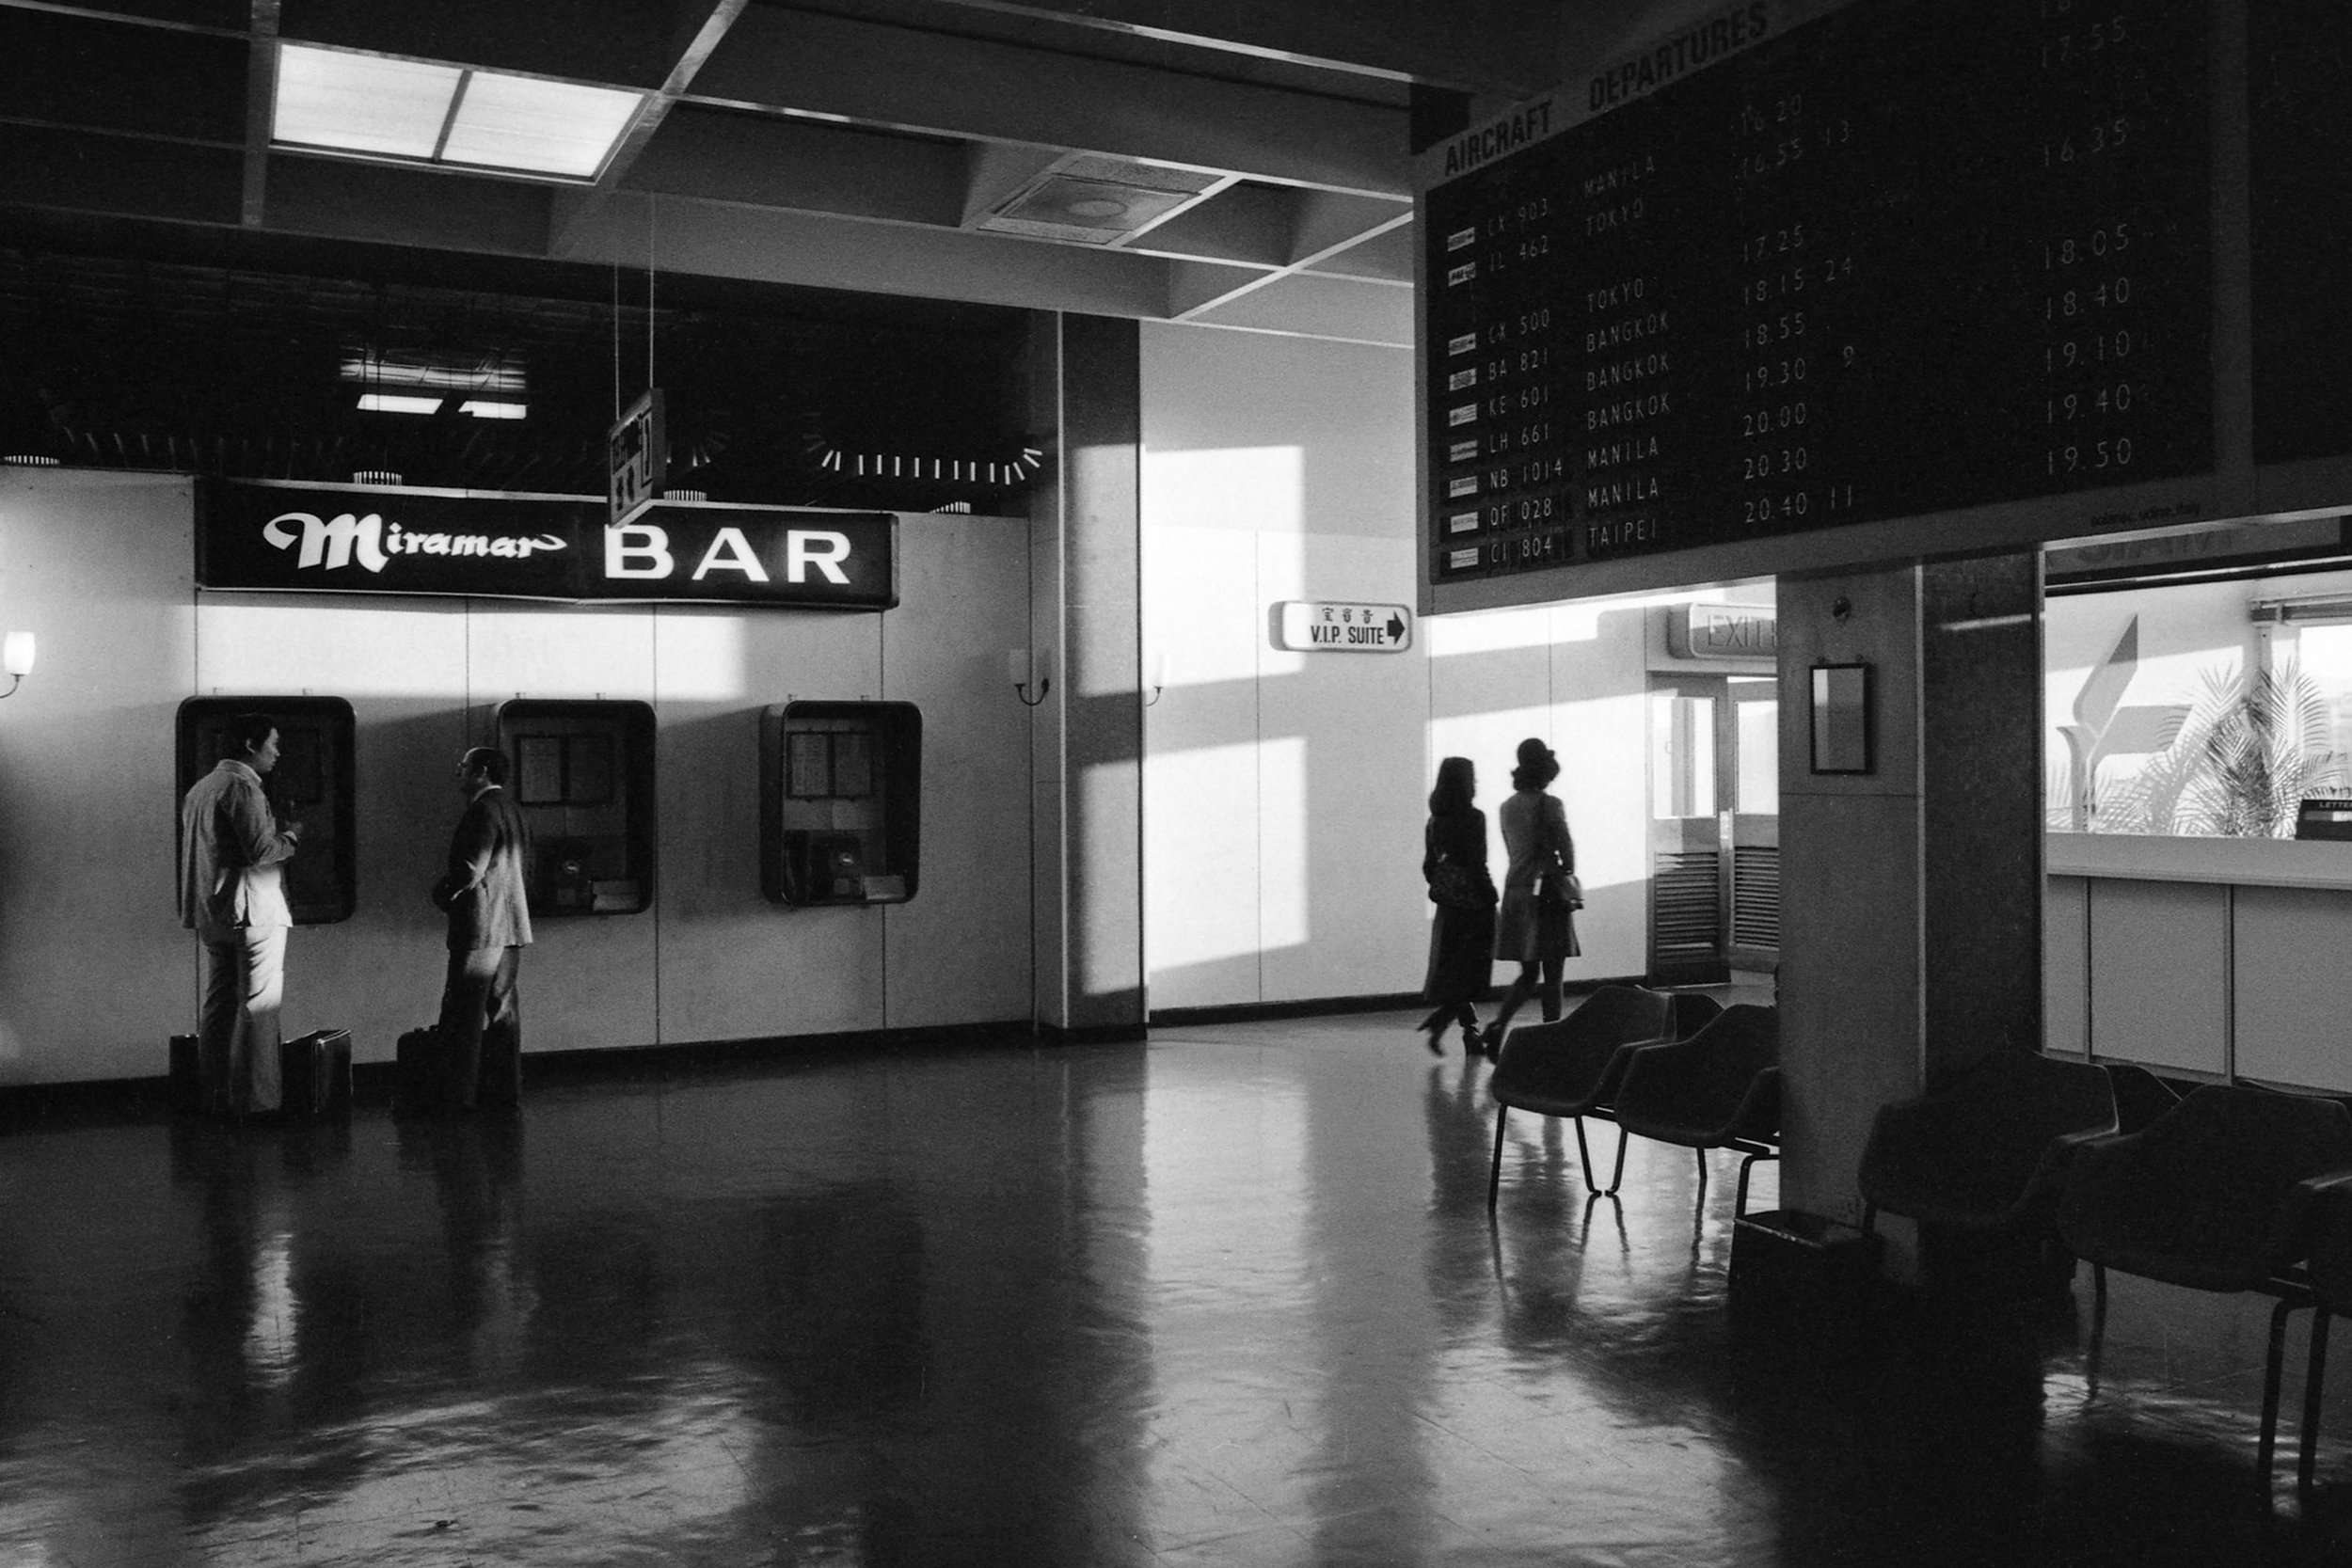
[[1904, 257], [2300, 90]]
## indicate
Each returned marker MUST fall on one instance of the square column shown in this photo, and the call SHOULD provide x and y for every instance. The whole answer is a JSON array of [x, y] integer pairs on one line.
[[1911, 932]]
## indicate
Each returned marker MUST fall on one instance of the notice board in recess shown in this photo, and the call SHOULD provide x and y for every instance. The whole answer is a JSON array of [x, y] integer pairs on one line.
[[1814, 283]]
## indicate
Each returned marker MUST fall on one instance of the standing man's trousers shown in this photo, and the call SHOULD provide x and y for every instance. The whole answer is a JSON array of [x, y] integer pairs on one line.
[[245, 987], [482, 1027]]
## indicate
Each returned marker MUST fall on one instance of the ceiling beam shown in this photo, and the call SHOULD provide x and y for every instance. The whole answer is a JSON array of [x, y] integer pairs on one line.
[[261, 100], [835, 68]]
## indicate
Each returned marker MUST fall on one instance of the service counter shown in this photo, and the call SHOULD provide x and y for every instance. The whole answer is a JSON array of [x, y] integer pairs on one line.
[[2204, 957]]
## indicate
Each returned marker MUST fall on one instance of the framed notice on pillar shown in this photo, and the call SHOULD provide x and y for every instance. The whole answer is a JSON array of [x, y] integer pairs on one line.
[[1841, 719]]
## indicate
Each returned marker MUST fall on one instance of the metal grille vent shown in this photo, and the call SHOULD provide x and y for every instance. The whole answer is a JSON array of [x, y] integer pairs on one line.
[[1755, 896], [1683, 917]]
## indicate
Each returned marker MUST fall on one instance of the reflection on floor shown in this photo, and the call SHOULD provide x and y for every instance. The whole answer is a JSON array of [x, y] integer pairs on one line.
[[1230, 1298]]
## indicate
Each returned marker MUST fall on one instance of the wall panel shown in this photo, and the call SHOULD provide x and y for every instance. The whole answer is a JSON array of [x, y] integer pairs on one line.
[[733, 964], [951, 953], [2293, 992], [2159, 973], [94, 968]]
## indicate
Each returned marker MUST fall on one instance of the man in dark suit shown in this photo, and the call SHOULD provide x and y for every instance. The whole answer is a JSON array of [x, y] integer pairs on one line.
[[489, 926]]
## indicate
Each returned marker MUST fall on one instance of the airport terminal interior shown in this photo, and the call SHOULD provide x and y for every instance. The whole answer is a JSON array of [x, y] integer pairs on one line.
[[974, 524]]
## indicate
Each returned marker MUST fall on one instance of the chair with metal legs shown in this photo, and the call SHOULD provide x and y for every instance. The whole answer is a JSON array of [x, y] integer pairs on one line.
[[1718, 1090], [1570, 1069], [2224, 1192]]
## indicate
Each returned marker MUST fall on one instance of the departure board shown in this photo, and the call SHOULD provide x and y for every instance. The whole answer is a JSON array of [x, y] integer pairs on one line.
[[2300, 135], [1781, 273]]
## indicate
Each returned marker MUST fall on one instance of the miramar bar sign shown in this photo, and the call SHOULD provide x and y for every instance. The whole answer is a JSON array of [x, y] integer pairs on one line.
[[277, 538]]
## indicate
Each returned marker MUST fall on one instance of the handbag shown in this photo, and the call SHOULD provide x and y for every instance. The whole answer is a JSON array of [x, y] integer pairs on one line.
[[1455, 886], [1559, 890]]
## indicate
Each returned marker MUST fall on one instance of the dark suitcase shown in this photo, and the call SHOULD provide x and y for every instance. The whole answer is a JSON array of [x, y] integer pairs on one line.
[[418, 1070], [184, 1082], [314, 1076]]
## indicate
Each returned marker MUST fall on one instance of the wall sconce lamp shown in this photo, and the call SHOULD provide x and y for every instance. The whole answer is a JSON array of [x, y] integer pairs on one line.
[[1158, 677], [16, 658], [1027, 667]]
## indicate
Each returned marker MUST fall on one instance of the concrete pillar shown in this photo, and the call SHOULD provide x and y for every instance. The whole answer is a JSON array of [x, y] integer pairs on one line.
[[1911, 935], [1087, 736]]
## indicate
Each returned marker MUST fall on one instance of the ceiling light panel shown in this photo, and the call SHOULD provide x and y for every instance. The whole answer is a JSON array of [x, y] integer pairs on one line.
[[520, 122], [361, 102], [397, 403]]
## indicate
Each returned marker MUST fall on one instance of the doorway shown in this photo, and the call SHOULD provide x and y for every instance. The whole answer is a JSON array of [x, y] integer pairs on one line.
[[1715, 827]]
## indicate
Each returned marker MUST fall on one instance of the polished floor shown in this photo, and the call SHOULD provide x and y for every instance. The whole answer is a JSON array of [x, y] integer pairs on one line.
[[1230, 1298]]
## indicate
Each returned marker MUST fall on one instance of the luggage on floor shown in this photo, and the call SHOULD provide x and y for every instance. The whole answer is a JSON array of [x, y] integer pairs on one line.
[[183, 1080], [420, 1070], [314, 1075]]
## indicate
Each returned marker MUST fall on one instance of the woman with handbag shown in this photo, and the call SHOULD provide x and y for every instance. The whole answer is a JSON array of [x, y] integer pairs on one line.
[[1461, 940], [1540, 892]]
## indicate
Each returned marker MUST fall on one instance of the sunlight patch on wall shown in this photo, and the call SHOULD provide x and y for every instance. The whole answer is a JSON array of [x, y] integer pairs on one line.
[[1259, 488], [1201, 877]]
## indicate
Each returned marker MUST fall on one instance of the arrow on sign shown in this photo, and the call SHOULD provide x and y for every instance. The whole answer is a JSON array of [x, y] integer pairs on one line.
[[1396, 629]]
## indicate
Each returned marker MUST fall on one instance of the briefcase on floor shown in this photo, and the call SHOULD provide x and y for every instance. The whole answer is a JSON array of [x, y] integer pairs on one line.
[[183, 1080], [418, 1070], [314, 1075]]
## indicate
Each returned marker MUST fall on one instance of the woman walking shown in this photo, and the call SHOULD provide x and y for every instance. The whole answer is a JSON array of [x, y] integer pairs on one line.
[[1537, 928], [1461, 940]]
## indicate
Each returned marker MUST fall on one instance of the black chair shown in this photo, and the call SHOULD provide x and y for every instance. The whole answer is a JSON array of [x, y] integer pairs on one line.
[[1571, 1067], [1985, 1151], [1694, 1011], [2140, 1096], [1718, 1090], [2331, 1287], [2224, 1192]]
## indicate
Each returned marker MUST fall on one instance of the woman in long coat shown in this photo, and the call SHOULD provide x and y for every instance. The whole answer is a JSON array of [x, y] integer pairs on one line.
[[1536, 932], [1461, 940]]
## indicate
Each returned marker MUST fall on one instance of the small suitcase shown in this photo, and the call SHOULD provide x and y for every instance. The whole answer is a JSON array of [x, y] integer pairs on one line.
[[314, 1076], [184, 1082], [418, 1070]]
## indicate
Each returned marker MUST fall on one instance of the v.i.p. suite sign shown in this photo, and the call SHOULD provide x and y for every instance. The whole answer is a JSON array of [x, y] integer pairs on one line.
[[321, 540]]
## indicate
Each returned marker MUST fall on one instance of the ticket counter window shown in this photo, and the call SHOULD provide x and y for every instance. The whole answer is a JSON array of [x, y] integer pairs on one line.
[[841, 808], [313, 783], [583, 774], [1714, 788]]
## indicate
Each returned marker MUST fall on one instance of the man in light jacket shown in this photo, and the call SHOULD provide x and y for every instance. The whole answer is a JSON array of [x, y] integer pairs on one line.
[[489, 926], [233, 896]]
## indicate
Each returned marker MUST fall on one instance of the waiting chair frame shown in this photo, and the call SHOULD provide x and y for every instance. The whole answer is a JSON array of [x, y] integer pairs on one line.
[[2284, 1274], [1517, 1057], [1749, 1128]]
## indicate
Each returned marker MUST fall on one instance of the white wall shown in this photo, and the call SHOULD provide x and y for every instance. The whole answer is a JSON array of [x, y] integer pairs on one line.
[[1285, 793], [95, 971]]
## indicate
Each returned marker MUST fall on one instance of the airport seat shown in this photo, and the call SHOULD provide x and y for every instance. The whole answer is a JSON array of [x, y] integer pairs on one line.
[[2224, 1192], [2140, 1096], [1718, 1090], [1985, 1151], [1570, 1067]]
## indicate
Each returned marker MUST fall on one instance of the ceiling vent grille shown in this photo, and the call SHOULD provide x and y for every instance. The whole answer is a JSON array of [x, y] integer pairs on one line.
[[1090, 199]]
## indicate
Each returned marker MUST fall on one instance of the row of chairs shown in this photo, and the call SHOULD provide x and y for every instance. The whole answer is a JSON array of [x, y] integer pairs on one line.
[[1677, 1069], [2234, 1188]]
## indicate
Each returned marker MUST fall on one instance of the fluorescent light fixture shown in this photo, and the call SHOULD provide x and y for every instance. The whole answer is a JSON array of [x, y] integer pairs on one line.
[[505, 373], [340, 100], [486, 408], [398, 403], [546, 127], [362, 103]]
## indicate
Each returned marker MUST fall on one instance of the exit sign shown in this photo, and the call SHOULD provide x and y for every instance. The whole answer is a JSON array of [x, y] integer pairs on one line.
[[1315, 626]]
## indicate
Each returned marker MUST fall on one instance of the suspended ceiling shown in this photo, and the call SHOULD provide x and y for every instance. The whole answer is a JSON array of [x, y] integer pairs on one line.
[[1231, 163]]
